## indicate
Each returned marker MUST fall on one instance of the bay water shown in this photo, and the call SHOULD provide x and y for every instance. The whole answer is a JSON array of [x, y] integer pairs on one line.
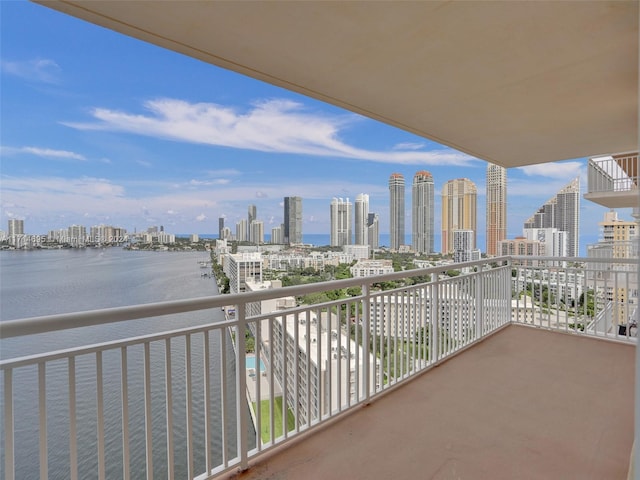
[[35, 283]]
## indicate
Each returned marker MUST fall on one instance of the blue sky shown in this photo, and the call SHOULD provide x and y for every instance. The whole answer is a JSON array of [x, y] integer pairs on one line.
[[99, 128]]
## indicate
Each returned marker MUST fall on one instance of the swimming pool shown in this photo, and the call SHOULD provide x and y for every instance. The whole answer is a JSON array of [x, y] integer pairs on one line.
[[251, 363]]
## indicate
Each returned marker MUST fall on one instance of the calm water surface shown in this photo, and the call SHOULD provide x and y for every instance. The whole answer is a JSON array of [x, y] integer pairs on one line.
[[34, 283]]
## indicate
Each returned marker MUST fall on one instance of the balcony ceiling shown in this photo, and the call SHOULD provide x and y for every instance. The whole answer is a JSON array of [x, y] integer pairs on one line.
[[512, 83]]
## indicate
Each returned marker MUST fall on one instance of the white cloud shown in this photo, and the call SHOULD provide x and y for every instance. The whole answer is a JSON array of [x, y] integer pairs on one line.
[[409, 146], [43, 152], [281, 126], [55, 202], [38, 70], [86, 186], [144, 163], [207, 183], [228, 172], [554, 170]]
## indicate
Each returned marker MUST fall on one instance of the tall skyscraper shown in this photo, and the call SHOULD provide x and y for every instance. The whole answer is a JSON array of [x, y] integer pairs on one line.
[[396, 210], [292, 220], [251, 216], [459, 210], [362, 216], [276, 235], [340, 222], [561, 212], [16, 227], [220, 227], [496, 207], [256, 232], [242, 230], [422, 212], [373, 230]]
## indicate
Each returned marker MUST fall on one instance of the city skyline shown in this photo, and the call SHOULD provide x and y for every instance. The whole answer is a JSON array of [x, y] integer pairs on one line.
[[561, 213], [189, 143]]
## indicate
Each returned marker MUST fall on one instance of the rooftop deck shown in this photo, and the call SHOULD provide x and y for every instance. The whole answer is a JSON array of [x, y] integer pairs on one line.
[[524, 403]]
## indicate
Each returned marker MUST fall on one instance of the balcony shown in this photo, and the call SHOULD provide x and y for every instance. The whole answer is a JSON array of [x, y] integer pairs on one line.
[[507, 370], [613, 180]]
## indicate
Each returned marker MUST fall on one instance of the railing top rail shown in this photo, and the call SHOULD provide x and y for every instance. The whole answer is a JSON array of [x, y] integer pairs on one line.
[[64, 321], [573, 260], [49, 323], [16, 362]]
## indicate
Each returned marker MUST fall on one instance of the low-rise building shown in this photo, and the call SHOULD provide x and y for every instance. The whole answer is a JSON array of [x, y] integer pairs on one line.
[[367, 268]]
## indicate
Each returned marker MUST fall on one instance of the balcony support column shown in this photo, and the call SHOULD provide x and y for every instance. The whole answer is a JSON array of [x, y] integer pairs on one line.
[[434, 319], [480, 303], [635, 460], [241, 387], [366, 329]]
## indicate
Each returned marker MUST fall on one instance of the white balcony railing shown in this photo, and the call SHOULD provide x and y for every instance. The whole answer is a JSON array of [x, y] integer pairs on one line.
[[613, 180], [187, 403]]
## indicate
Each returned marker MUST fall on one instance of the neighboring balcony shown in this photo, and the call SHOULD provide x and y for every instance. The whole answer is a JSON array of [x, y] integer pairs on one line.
[[506, 370], [613, 180]]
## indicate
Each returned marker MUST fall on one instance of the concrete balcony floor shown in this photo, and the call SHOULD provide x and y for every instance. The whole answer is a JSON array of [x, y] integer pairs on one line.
[[522, 404]]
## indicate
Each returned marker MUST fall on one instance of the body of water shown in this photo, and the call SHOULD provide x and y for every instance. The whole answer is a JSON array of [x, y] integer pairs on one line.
[[35, 283]]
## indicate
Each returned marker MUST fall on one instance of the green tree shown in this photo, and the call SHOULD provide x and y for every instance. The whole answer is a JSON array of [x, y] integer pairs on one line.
[[354, 291]]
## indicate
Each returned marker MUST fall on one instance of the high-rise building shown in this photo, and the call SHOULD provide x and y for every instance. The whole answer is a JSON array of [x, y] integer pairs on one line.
[[422, 212], [77, 235], [251, 216], [16, 227], [340, 222], [361, 218], [396, 210], [568, 216], [496, 207], [464, 247], [276, 235], [561, 212], [553, 242], [292, 220], [226, 234], [373, 230], [520, 246], [16, 232], [459, 210], [242, 231], [242, 268], [256, 232], [618, 238], [220, 227]]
